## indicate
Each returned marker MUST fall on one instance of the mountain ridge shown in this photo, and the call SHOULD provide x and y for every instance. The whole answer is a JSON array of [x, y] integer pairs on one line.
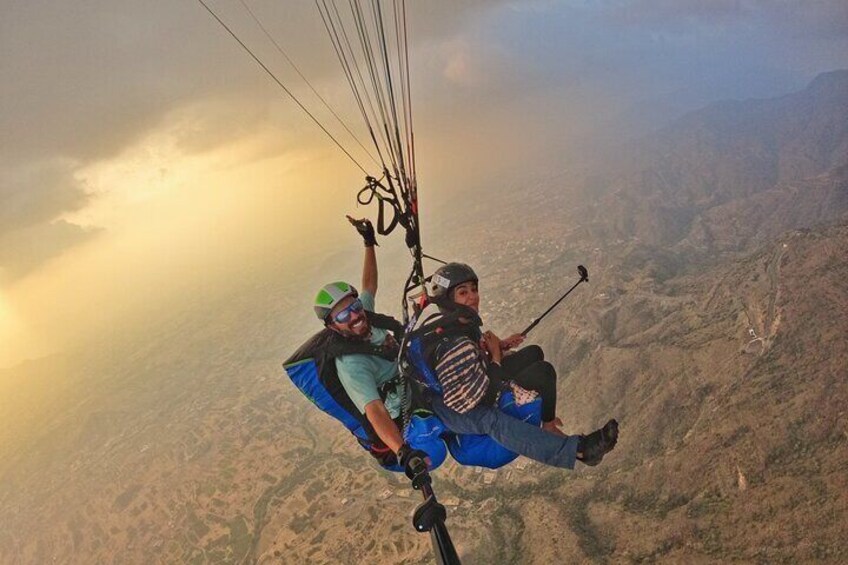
[[713, 327], [728, 151]]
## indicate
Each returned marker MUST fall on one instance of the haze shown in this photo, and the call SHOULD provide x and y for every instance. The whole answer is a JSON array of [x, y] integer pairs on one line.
[[145, 158]]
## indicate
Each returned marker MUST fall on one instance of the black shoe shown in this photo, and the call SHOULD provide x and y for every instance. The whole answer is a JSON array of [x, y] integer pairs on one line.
[[592, 448]]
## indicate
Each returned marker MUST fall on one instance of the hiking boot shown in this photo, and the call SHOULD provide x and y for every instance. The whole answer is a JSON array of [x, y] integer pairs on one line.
[[592, 448]]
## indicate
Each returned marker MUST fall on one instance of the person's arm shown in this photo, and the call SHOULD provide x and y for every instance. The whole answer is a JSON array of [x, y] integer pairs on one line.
[[383, 424], [493, 346], [369, 272], [369, 269]]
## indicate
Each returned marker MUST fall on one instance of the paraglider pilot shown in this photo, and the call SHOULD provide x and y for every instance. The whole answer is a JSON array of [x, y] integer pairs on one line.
[[372, 382]]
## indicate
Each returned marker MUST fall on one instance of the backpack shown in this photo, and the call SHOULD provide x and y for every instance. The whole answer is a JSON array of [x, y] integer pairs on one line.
[[427, 332], [312, 369]]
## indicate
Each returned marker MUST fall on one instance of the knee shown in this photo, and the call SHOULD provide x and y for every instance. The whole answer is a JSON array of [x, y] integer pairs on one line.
[[546, 371], [535, 353]]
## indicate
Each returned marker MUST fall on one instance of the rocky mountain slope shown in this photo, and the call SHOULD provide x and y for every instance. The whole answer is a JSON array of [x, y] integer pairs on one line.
[[709, 161], [712, 327], [730, 388]]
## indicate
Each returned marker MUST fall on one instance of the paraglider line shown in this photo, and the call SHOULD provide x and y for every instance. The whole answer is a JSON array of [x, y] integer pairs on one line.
[[281, 85], [302, 76]]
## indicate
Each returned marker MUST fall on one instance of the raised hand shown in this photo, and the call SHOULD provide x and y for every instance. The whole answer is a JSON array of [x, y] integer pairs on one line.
[[365, 229]]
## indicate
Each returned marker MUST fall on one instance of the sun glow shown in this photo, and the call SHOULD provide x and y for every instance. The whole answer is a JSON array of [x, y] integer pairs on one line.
[[9, 332], [172, 216], [5, 314]]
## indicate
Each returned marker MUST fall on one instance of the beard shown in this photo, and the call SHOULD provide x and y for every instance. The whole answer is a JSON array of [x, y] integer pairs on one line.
[[360, 329]]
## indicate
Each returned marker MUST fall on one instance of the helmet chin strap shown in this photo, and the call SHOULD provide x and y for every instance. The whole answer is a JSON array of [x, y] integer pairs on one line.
[[460, 311]]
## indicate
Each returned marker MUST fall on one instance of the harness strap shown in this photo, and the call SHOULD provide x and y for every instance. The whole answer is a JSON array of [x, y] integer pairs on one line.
[[390, 387], [381, 222], [373, 190]]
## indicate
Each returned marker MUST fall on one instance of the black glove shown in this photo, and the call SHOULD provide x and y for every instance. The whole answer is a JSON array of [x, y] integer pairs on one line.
[[365, 229], [412, 460]]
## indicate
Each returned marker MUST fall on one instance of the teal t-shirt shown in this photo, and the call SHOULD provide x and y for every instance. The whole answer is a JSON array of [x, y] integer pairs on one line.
[[362, 375]]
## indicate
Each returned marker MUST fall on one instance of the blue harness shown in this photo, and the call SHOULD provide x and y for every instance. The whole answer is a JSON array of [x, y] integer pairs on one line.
[[312, 369], [417, 361]]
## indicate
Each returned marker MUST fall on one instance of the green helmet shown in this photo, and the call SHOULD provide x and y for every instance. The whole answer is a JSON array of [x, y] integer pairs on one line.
[[330, 295], [449, 276]]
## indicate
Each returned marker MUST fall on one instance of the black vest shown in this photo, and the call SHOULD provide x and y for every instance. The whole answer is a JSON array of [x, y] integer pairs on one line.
[[326, 345]]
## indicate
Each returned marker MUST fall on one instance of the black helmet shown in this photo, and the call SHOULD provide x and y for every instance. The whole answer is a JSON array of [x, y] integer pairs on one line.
[[448, 277]]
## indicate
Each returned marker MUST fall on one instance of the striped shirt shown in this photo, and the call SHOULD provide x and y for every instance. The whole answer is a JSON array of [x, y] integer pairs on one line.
[[461, 371]]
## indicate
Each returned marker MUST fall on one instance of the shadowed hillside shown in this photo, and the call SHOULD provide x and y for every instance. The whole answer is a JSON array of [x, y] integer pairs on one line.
[[730, 389], [725, 154], [712, 327]]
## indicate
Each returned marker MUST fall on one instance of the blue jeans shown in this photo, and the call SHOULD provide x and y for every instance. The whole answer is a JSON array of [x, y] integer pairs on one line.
[[515, 435]]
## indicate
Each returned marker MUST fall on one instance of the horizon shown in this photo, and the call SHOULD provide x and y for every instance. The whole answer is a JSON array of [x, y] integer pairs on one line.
[[167, 215], [134, 162]]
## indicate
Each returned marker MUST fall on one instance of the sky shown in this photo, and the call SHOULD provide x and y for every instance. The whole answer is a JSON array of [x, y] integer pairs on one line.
[[144, 156]]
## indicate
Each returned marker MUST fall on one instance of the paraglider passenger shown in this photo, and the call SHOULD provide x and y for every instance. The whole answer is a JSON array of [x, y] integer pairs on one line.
[[525, 367], [473, 371]]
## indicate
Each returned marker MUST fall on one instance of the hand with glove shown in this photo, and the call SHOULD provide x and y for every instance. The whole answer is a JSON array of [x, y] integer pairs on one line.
[[413, 461], [365, 229]]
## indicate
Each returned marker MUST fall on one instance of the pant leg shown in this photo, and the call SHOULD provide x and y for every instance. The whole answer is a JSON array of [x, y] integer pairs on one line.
[[528, 368], [515, 361], [515, 435]]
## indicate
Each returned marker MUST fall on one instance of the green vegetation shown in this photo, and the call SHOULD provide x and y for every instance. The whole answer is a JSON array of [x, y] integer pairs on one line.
[[652, 503], [508, 528], [125, 498], [315, 487], [709, 504], [299, 523], [197, 528], [240, 539], [591, 540]]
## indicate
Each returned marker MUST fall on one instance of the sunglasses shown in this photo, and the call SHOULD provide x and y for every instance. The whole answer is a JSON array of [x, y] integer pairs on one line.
[[343, 316]]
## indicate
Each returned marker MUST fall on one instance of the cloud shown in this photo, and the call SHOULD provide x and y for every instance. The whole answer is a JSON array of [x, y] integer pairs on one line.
[[37, 193], [468, 64], [673, 14], [32, 199], [24, 250], [458, 68], [84, 81], [809, 19], [803, 18]]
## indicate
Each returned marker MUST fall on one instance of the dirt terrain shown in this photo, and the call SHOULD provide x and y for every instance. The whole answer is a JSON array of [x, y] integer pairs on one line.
[[715, 333]]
